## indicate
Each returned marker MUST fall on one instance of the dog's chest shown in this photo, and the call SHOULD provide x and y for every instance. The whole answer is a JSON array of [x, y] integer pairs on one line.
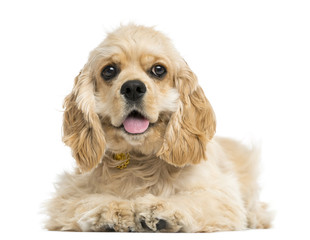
[[137, 180]]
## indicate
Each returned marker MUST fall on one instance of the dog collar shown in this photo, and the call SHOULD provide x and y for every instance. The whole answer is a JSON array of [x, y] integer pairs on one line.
[[124, 157]]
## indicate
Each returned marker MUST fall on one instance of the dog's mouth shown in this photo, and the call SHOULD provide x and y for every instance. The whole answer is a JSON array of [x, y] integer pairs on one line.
[[136, 123]]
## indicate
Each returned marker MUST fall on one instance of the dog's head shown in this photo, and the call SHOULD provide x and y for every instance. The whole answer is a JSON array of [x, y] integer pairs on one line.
[[136, 94]]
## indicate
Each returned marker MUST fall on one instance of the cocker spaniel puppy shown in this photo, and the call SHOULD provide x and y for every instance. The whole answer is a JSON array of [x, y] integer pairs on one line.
[[142, 133]]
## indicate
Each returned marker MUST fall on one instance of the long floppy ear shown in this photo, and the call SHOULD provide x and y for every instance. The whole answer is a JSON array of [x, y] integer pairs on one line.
[[82, 129], [191, 126]]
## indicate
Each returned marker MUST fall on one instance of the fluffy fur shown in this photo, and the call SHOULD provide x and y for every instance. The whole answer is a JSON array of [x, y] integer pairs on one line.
[[180, 177]]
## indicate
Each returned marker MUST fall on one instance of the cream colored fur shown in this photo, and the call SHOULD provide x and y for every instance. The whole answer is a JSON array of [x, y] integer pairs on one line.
[[180, 178]]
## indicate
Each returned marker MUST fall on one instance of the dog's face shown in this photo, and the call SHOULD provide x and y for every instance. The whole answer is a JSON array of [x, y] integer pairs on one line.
[[134, 89], [136, 94]]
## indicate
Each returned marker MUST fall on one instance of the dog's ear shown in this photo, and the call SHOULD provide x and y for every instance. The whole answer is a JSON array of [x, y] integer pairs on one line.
[[82, 130], [191, 126]]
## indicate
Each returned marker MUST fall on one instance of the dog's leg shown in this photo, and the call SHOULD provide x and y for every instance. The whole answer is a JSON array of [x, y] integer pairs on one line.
[[246, 161], [91, 213], [199, 211]]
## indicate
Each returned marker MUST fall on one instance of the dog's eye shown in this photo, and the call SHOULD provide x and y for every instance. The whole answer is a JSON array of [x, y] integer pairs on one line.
[[109, 72], [158, 71]]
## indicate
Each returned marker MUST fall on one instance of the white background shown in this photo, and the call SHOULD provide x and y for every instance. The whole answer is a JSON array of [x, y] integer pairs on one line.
[[252, 59]]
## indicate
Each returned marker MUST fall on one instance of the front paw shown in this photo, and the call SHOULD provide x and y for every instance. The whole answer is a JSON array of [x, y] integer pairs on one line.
[[115, 216], [154, 215]]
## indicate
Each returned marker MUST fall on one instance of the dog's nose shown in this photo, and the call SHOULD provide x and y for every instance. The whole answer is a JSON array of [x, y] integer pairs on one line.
[[133, 90]]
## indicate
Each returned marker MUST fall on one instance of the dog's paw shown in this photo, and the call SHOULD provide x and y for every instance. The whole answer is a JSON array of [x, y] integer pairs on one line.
[[154, 215], [116, 216]]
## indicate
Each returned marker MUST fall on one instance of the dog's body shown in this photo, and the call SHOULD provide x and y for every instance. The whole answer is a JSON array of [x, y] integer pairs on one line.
[[141, 131]]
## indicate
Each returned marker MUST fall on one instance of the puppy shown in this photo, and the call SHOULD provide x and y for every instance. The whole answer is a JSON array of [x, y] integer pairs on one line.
[[142, 133]]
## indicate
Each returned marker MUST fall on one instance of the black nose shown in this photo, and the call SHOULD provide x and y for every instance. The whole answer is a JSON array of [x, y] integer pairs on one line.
[[133, 90]]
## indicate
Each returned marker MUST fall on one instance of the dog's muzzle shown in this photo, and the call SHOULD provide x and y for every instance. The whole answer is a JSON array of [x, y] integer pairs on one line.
[[133, 91]]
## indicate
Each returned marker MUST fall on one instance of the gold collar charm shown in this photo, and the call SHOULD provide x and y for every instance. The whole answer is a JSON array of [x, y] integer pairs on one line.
[[125, 157]]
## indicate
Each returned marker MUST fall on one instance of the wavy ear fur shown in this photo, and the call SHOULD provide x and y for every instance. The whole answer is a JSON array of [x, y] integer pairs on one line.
[[191, 126], [82, 129]]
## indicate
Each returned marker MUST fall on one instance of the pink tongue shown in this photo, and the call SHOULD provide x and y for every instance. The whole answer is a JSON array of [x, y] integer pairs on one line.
[[136, 125]]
